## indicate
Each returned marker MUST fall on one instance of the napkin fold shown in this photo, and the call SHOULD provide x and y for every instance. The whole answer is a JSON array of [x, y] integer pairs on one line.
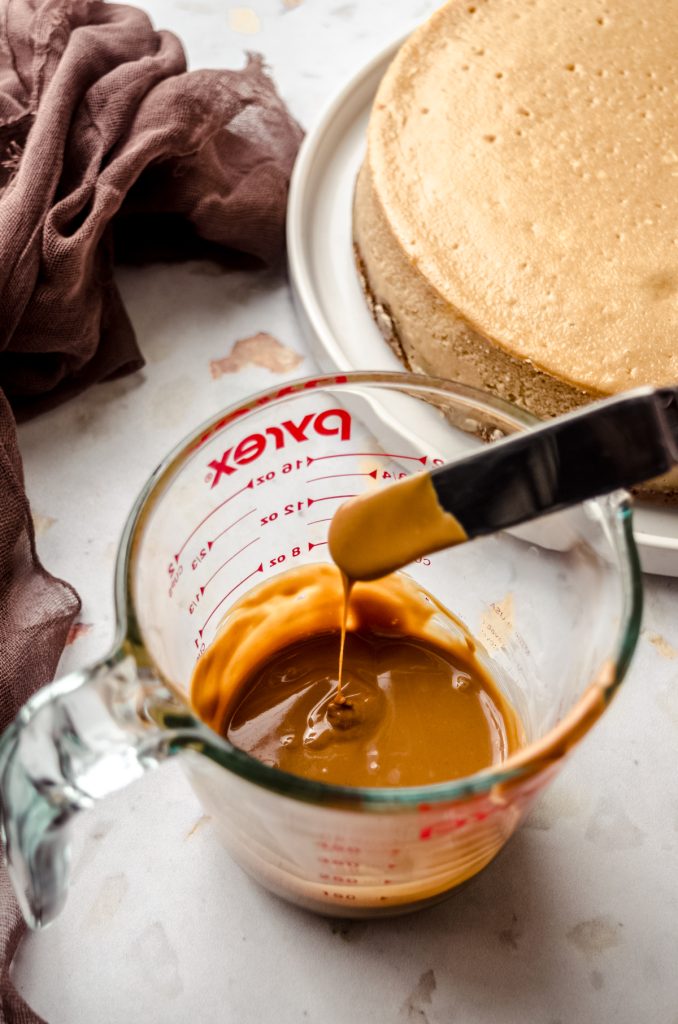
[[109, 149]]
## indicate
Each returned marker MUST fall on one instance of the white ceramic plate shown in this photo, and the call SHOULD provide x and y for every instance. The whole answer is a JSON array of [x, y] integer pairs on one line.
[[330, 303]]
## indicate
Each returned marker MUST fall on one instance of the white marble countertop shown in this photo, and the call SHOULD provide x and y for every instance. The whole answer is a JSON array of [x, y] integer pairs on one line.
[[576, 921]]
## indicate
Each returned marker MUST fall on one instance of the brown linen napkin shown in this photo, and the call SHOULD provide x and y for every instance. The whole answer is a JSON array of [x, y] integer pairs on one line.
[[36, 612], [105, 143]]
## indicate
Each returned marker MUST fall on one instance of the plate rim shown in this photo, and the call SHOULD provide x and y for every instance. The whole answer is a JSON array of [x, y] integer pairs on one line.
[[298, 197], [326, 348]]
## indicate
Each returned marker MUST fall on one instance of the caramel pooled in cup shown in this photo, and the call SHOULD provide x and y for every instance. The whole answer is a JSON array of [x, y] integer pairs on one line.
[[418, 705]]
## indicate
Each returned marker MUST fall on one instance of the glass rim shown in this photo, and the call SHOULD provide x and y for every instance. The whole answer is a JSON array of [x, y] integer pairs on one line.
[[615, 511]]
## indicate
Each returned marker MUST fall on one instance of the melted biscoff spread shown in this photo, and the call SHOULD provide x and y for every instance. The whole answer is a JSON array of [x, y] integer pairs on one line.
[[418, 705], [380, 531], [525, 156]]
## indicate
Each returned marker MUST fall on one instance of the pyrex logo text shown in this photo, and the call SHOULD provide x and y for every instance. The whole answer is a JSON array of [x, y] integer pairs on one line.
[[331, 422]]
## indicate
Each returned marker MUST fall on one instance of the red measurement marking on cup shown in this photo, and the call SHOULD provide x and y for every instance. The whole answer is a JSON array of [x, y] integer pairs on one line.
[[259, 568], [223, 564], [337, 846], [289, 510], [204, 551], [339, 863], [282, 556], [316, 545], [211, 543], [336, 476], [202, 522], [445, 824], [310, 459], [329, 497]]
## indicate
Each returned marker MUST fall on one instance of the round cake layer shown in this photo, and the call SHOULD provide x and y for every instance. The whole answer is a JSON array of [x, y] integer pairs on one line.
[[516, 217]]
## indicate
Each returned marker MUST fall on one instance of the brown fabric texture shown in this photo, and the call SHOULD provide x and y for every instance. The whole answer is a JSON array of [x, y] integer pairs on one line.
[[108, 147], [36, 612]]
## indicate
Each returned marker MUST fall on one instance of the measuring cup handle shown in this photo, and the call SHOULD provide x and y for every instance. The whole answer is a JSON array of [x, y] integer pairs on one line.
[[77, 740]]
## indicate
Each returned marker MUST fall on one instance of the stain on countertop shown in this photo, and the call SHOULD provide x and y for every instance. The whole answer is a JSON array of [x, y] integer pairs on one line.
[[244, 20], [41, 524], [597, 980], [260, 349], [111, 894], [611, 828], [348, 930], [78, 630], [662, 645], [415, 1006], [595, 935], [511, 936], [157, 962]]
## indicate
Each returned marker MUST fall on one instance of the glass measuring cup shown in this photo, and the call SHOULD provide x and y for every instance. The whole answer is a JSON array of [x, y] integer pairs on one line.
[[555, 604]]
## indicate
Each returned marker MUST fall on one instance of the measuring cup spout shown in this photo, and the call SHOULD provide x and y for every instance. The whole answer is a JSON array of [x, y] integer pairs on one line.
[[79, 739]]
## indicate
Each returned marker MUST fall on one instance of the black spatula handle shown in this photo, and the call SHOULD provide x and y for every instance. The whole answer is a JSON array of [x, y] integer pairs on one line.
[[615, 443]]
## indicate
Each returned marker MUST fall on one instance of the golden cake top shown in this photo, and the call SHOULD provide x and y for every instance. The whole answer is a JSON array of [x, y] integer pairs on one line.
[[526, 155]]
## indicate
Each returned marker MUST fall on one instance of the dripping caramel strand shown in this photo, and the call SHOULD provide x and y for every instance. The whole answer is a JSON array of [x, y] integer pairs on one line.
[[347, 586]]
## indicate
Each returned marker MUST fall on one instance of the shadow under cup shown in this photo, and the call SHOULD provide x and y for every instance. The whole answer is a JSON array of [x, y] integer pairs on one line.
[[555, 606]]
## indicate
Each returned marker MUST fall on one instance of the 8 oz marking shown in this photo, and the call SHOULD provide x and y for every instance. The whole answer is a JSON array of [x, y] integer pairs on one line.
[[282, 557]]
